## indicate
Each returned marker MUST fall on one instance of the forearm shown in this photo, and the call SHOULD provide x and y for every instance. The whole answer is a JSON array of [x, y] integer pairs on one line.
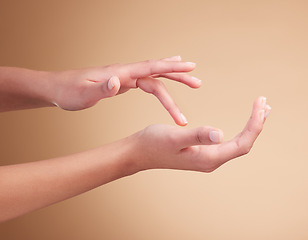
[[30, 186], [24, 88]]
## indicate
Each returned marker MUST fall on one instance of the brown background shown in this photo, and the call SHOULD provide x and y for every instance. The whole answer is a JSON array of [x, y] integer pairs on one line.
[[243, 49]]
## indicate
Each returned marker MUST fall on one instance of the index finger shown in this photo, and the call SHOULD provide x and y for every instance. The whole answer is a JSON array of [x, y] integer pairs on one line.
[[158, 89], [151, 67]]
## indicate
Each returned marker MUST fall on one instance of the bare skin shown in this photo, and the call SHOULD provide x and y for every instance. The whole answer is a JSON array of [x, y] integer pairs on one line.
[[83, 88], [30, 186]]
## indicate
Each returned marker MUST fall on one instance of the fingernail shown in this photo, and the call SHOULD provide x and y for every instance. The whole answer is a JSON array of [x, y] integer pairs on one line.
[[184, 118], [262, 115], [191, 63], [110, 84], [197, 79], [267, 111], [263, 102], [176, 58], [215, 136]]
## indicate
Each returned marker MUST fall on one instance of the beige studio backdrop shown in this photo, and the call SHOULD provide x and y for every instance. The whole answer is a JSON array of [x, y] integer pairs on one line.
[[243, 49]]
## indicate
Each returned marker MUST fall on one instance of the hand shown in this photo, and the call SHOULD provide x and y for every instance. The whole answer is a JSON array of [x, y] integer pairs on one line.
[[83, 88], [200, 149]]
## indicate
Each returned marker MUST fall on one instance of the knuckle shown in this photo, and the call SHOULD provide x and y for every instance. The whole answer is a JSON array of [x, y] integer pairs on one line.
[[111, 67], [245, 148], [160, 85], [155, 91], [183, 78], [201, 135], [148, 65], [150, 62], [157, 88]]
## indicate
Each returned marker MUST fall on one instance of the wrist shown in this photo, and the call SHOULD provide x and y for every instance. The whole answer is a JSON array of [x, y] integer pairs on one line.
[[140, 159], [24, 88], [38, 85], [131, 154], [49, 90]]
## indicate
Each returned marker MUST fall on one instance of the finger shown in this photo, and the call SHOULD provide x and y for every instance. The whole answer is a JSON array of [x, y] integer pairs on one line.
[[188, 80], [151, 67], [170, 59], [104, 89], [198, 136], [267, 111], [244, 141], [158, 89]]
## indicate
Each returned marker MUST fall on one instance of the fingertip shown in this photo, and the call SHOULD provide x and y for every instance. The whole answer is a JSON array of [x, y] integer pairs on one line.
[[110, 83], [114, 84], [178, 58], [181, 124], [112, 87], [262, 102], [179, 119], [183, 120], [192, 65], [267, 110], [259, 106]]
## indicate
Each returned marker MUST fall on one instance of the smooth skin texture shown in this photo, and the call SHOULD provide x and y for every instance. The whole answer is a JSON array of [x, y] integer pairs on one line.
[[183, 149], [83, 88], [30, 186]]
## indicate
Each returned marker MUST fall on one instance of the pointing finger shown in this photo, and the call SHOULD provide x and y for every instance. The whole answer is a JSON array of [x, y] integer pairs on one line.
[[158, 89]]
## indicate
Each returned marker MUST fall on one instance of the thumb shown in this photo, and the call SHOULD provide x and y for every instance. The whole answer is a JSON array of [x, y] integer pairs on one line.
[[110, 88], [103, 89], [200, 136]]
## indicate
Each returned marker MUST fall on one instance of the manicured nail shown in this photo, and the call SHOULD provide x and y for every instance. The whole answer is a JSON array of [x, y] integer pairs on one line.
[[176, 58], [110, 83], [263, 100], [191, 63], [196, 79], [184, 118], [267, 110], [262, 112], [215, 136]]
